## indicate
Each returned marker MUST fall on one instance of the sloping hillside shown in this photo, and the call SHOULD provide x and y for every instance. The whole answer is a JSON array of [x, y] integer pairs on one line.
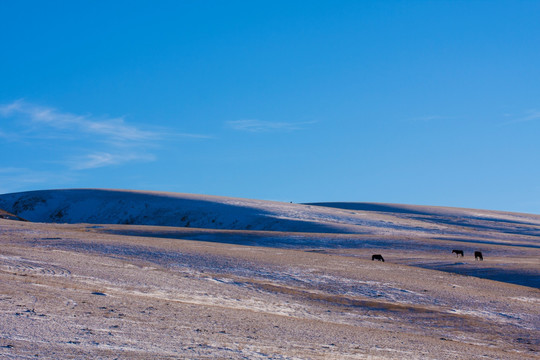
[[114, 273], [5, 215], [77, 291], [168, 209], [97, 206]]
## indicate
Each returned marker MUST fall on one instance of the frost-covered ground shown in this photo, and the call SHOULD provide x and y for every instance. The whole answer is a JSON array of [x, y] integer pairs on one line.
[[137, 275]]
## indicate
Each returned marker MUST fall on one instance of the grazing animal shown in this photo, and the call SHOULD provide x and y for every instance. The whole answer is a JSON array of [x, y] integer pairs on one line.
[[377, 257], [458, 252], [478, 255]]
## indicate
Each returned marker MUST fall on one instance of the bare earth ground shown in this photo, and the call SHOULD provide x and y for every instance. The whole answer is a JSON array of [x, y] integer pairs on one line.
[[113, 291]]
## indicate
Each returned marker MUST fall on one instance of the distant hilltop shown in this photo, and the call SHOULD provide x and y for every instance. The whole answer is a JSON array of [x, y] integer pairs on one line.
[[102, 206]]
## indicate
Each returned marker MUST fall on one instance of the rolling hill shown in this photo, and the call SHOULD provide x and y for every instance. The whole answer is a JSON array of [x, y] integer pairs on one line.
[[97, 206], [135, 274]]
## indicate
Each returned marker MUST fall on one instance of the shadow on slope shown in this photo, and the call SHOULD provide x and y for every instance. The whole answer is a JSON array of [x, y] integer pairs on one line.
[[95, 206], [524, 277], [360, 206], [469, 219]]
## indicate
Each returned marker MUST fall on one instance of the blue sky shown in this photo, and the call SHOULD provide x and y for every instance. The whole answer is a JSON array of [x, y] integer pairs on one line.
[[418, 102]]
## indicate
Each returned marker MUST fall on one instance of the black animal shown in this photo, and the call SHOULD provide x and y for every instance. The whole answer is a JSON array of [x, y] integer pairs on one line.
[[458, 252], [478, 255], [377, 257]]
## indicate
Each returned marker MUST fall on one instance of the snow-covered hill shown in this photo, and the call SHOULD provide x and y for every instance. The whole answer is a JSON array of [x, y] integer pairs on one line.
[[98, 206]]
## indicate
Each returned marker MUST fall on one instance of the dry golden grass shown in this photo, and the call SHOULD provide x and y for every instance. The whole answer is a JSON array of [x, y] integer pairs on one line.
[[77, 291]]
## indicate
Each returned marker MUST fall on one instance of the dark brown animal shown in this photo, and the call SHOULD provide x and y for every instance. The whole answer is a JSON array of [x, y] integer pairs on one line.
[[377, 257], [458, 252], [478, 255]]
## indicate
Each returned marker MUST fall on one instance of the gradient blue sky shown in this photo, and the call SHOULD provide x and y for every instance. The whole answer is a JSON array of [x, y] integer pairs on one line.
[[418, 102]]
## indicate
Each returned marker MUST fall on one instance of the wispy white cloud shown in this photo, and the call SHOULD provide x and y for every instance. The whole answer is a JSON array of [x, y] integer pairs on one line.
[[114, 129], [112, 139], [101, 159], [265, 126], [531, 115], [7, 109]]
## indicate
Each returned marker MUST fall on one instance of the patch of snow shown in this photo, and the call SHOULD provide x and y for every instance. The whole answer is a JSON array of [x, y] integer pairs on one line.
[[527, 299]]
